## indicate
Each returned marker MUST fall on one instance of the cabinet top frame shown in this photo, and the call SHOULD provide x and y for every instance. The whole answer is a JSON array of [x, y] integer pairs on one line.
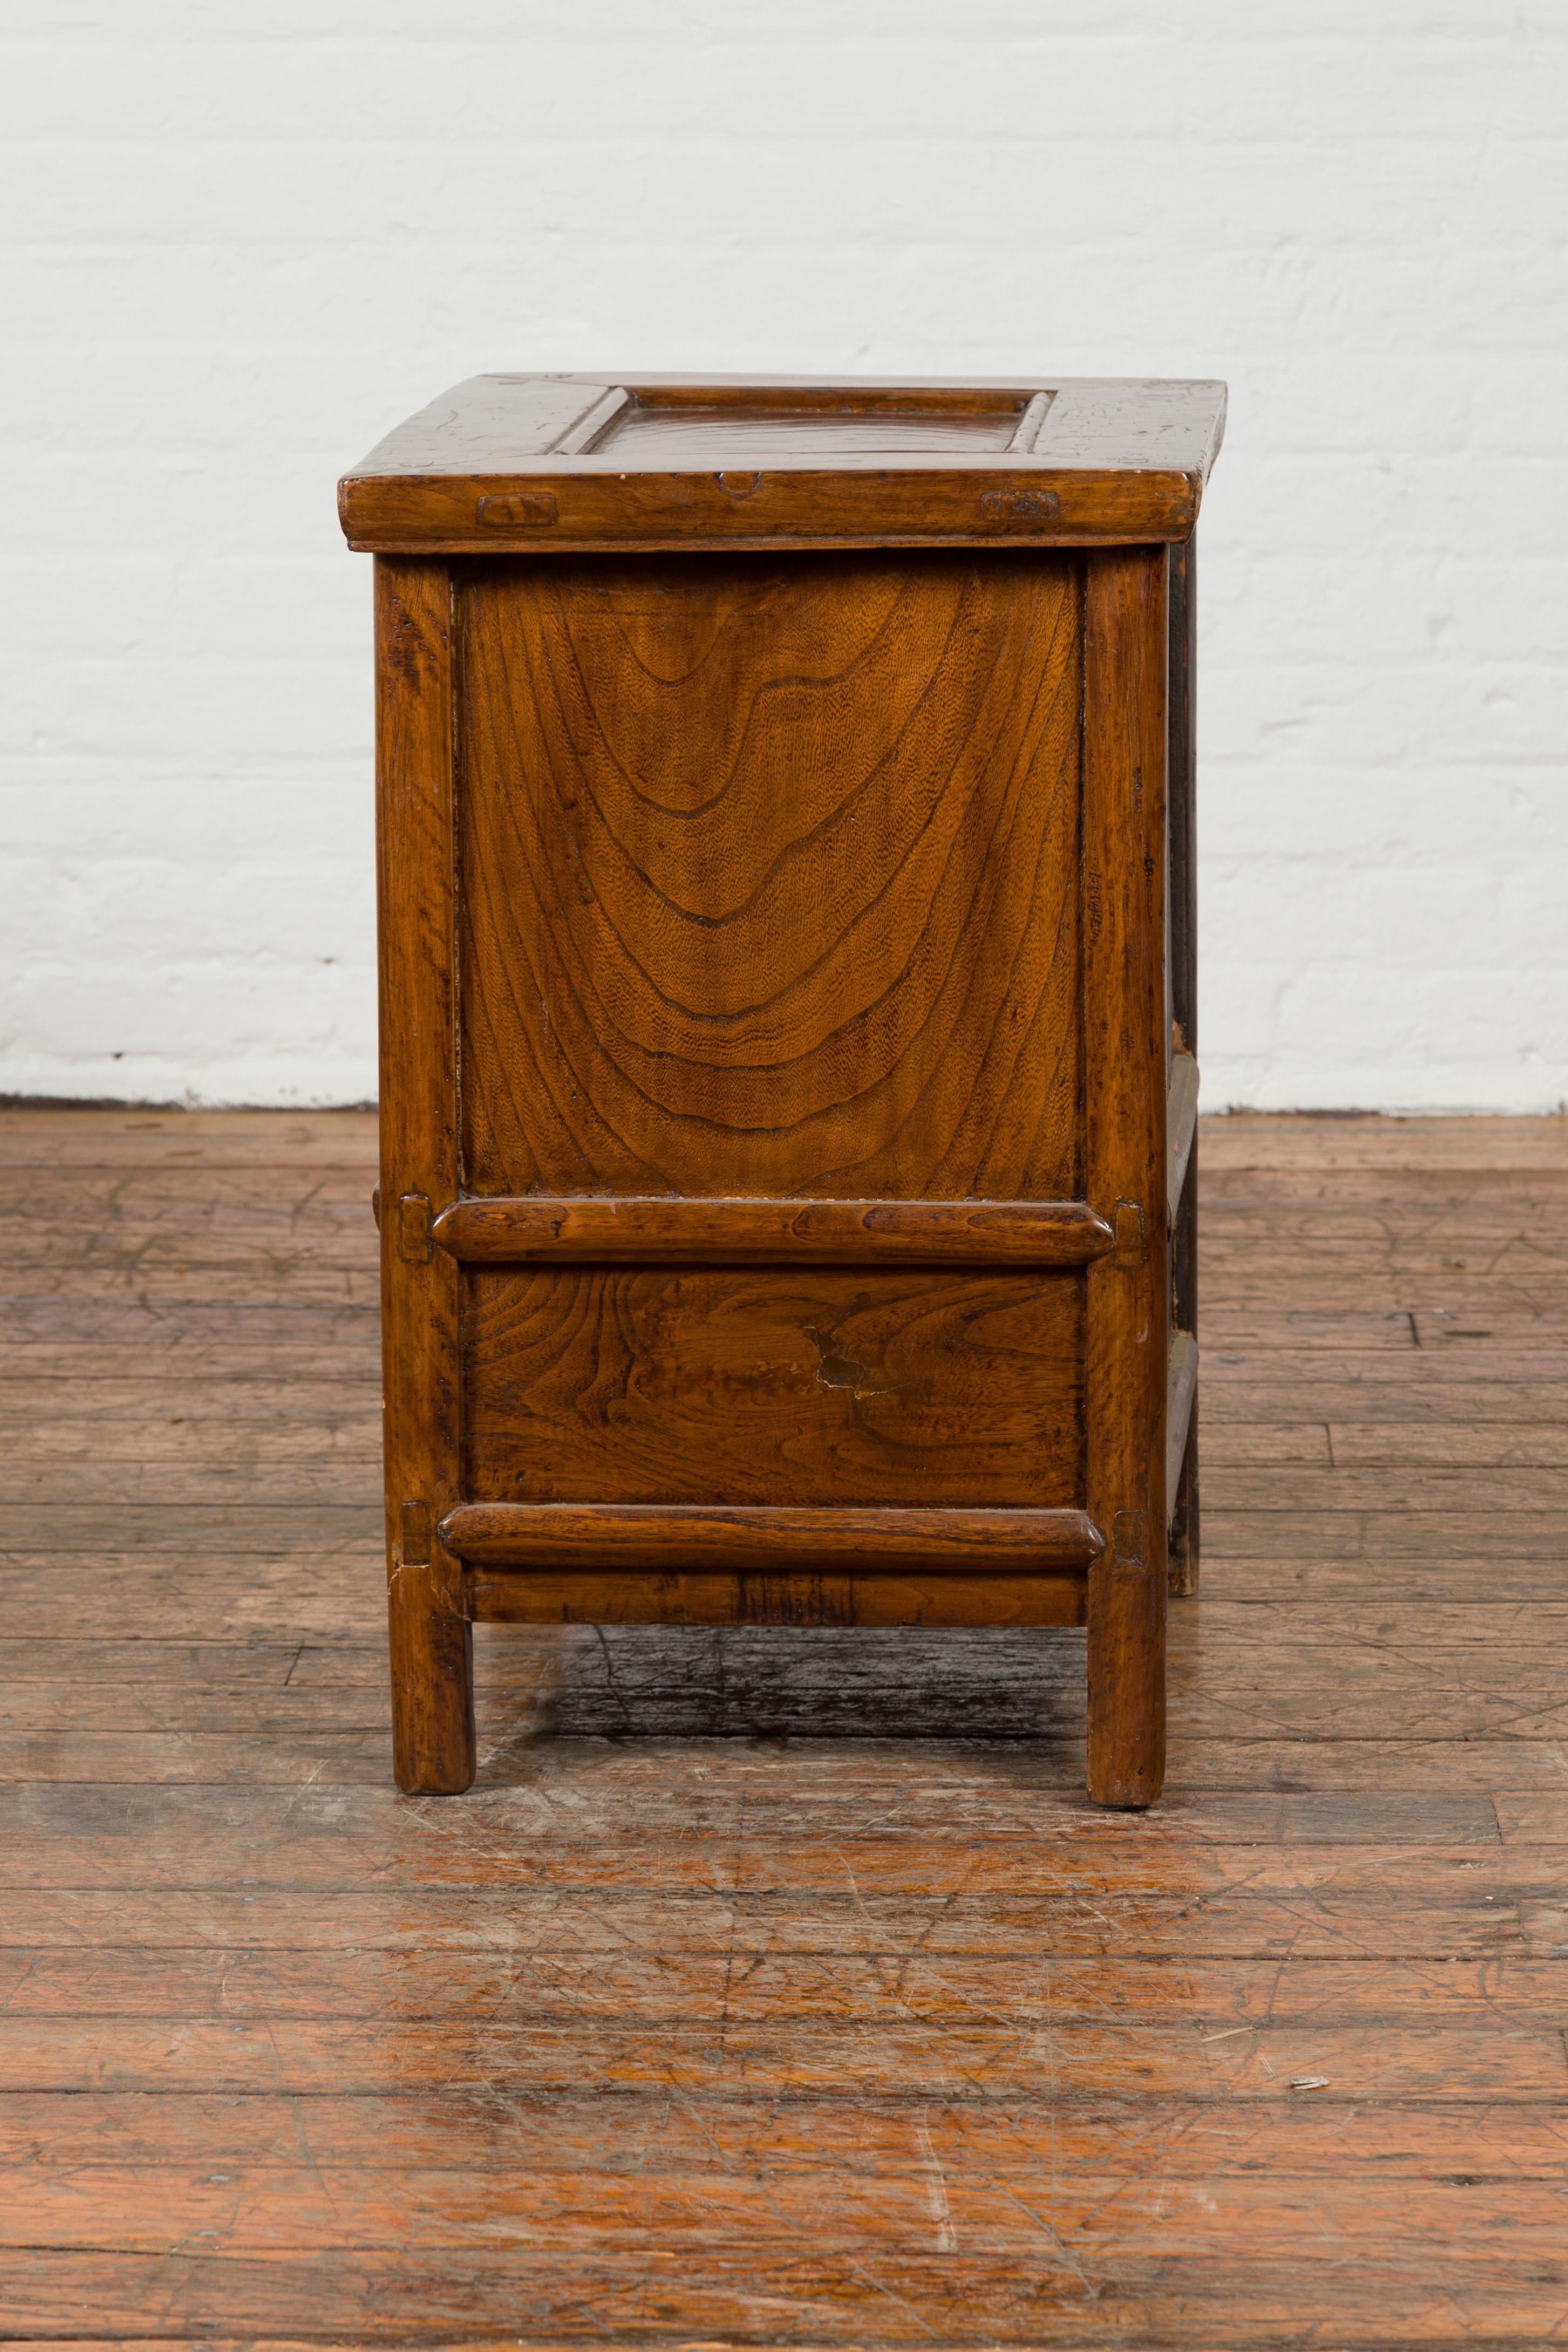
[[516, 463]]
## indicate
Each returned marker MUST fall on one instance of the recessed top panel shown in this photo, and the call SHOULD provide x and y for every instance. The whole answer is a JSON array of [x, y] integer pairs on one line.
[[771, 426]]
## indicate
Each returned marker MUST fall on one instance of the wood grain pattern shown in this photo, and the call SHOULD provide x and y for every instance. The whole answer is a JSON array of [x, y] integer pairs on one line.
[[863, 502], [760, 1233], [735, 1385], [718, 428], [431, 1643], [657, 1535], [1126, 1077], [1124, 424], [789, 853]]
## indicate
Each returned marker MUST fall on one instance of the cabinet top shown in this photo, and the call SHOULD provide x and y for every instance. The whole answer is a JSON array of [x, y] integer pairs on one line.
[[505, 463]]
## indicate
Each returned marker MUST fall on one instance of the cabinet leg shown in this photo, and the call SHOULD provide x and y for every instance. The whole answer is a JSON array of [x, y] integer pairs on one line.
[[432, 1679], [1126, 1678], [1185, 1520]]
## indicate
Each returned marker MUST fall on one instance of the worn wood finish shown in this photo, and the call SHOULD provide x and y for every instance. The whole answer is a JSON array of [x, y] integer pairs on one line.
[[775, 921], [744, 1385], [663, 1536], [432, 1671], [522, 464], [600, 1231], [700, 2021]]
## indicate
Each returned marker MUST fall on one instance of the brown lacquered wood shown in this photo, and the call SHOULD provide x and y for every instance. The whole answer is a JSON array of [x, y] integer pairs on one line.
[[901, 504], [521, 463], [655, 1536], [739, 913], [786, 1593], [1121, 424], [778, 951], [596, 1230], [1125, 1062], [431, 1644], [717, 426], [749, 1385]]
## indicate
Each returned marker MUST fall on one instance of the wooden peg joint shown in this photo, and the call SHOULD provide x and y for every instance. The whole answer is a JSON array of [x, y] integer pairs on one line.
[[1131, 1239], [1129, 1547], [414, 1229]]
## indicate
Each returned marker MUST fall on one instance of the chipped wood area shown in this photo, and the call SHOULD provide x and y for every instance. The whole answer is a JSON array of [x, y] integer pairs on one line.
[[780, 1985]]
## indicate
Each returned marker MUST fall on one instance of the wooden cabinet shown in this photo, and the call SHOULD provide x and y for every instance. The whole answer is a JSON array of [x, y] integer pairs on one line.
[[787, 1017]]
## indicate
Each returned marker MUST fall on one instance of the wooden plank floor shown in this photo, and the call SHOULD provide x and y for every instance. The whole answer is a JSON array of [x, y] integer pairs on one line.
[[694, 2024]]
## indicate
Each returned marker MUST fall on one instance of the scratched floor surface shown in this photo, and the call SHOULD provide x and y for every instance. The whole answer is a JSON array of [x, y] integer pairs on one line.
[[782, 1989]]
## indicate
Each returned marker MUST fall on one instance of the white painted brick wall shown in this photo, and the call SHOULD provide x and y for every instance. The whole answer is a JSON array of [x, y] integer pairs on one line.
[[246, 236]]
